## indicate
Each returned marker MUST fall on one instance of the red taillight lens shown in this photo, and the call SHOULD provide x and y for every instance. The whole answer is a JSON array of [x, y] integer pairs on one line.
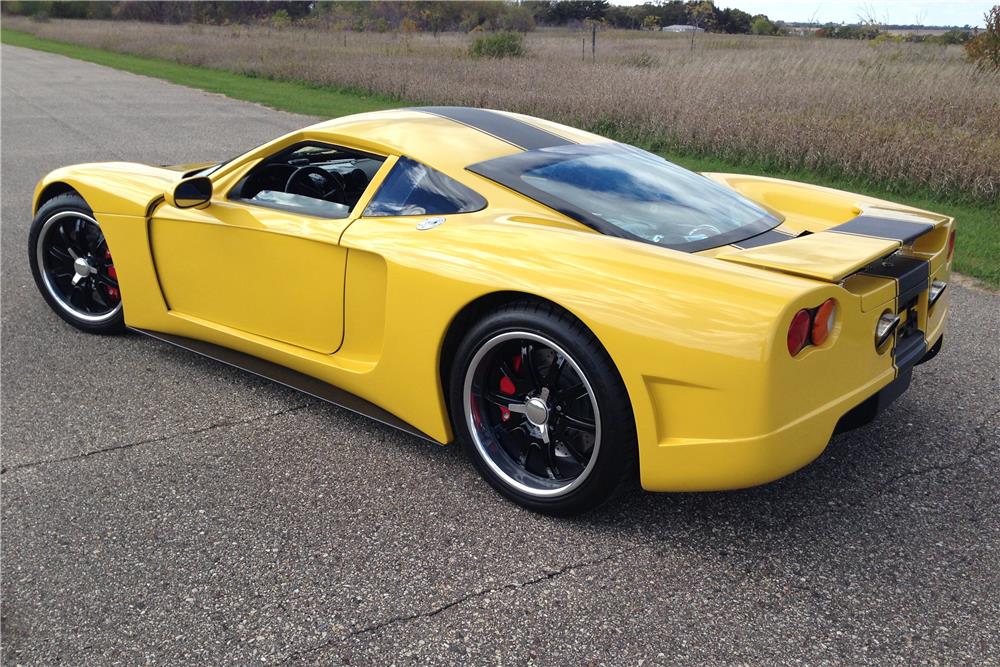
[[951, 244], [823, 321], [798, 332]]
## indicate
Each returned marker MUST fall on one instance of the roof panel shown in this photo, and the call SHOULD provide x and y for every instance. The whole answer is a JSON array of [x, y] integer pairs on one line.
[[440, 142]]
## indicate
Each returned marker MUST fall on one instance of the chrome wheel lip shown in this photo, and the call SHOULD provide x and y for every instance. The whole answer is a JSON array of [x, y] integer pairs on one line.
[[477, 440], [53, 291]]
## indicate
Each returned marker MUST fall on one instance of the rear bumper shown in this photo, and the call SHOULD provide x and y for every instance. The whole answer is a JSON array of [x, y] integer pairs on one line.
[[719, 465], [874, 405], [732, 464]]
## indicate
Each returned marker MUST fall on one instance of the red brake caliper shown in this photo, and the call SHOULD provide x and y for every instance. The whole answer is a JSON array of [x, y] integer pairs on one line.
[[507, 387], [113, 292]]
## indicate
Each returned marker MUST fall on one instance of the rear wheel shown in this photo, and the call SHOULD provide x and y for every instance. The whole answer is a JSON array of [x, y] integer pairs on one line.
[[541, 410], [72, 266]]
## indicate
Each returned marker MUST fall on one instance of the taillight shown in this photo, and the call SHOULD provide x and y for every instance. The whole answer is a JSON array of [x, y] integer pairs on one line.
[[951, 244], [812, 326], [798, 332], [823, 321]]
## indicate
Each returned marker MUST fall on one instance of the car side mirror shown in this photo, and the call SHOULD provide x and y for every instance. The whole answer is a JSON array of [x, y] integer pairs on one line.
[[191, 192]]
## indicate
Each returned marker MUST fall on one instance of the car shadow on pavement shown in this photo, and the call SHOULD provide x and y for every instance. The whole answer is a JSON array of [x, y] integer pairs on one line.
[[861, 477]]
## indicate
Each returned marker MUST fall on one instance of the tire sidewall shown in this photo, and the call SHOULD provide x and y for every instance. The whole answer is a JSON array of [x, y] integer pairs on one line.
[[616, 454], [68, 202]]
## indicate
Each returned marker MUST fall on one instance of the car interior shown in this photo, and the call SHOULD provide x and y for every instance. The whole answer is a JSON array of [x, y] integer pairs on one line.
[[312, 179]]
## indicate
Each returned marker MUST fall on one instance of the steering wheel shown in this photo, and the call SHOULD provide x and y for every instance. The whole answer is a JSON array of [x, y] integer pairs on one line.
[[326, 183]]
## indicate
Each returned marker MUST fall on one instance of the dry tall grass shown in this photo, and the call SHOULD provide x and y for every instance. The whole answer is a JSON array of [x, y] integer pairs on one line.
[[911, 114]]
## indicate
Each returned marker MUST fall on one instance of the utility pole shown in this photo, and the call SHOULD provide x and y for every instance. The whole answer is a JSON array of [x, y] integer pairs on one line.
[[593, 42]]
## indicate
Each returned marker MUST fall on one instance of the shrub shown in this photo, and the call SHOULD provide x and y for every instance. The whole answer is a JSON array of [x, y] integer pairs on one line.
[[281, 19], [984, 48], [498, 45], [644, 59]]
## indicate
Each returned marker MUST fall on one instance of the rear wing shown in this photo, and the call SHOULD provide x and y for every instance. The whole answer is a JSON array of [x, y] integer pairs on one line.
[[838, 252]]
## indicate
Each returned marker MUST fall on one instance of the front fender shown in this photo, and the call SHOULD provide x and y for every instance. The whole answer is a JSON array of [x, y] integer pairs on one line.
[[120, 188]]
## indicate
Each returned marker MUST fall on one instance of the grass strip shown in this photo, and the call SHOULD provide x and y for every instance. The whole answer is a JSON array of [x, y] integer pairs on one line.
[[978, 246]]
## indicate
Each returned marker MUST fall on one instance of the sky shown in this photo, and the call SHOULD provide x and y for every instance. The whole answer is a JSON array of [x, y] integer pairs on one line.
[[924, 12]]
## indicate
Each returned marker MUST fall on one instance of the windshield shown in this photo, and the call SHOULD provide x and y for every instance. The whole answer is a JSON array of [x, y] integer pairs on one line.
[[625, 191]]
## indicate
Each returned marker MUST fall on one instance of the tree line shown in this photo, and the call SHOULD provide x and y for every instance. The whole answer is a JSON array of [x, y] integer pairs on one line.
[[423, 15], [468, 16]]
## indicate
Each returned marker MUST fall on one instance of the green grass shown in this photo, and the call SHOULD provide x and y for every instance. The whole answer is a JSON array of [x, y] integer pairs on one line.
[[978, 247]]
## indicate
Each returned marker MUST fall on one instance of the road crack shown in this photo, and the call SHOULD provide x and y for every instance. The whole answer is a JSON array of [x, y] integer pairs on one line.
[[549, 574], [981, 448], [163, 438]]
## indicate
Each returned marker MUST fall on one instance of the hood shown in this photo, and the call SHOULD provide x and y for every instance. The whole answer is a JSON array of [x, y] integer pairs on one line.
[[188, 168]]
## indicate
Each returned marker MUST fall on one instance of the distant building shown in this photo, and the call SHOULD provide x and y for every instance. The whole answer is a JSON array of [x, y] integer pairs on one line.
[[682, 28], [802, 30]]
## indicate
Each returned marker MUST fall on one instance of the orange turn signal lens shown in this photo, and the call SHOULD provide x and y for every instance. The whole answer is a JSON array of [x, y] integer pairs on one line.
[[823, 321]]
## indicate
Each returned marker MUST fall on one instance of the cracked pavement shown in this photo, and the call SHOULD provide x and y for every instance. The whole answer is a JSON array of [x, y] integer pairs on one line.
[[161, 508]]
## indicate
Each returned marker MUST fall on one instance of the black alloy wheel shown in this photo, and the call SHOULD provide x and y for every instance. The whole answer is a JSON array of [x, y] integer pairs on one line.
[[73, 266], [541, 410]]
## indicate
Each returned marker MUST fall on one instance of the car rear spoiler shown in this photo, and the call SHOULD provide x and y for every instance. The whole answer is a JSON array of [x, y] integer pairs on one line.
[[836, 253]]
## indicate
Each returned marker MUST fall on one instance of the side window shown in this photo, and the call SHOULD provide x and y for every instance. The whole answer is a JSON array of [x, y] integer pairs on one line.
[[311, 178], [415, 189]]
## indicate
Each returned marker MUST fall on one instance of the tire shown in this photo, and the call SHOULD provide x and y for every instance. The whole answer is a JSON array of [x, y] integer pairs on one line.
[[541, 410], [72, 266]]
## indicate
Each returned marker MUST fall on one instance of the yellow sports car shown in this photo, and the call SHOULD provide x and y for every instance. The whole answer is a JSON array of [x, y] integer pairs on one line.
[[573, 310]]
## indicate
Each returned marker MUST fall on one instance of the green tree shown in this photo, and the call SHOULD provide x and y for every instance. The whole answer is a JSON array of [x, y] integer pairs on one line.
[[517, 18], [701, 15], [734, 21], [984, 48], [558, 12], [762, 26]]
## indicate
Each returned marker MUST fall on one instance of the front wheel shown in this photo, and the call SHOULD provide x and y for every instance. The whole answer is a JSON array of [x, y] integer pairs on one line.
[[541, 410], [72, 265]]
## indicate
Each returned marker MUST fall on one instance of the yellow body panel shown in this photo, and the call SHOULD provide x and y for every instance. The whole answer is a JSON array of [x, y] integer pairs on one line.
[[245, 263], [365, 303]]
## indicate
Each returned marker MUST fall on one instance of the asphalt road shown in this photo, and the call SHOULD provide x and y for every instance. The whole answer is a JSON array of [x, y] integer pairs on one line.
[[161, 508]]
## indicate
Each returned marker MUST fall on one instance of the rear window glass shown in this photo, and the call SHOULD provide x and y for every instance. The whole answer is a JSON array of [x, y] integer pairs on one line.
[[625, 191], [415, 189]]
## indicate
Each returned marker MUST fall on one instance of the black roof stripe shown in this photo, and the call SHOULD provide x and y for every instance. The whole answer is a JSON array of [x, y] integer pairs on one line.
[[503, 127], [904, 231]]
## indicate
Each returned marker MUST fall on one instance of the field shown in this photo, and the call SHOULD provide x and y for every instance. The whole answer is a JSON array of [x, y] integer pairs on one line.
[[908, 120]]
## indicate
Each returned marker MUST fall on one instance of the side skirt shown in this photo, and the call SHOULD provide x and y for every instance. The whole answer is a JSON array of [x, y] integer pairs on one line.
[[289, 378]]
